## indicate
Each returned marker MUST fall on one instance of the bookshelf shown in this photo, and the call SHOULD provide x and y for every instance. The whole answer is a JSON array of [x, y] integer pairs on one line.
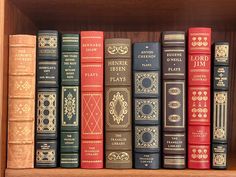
[[140, 20]]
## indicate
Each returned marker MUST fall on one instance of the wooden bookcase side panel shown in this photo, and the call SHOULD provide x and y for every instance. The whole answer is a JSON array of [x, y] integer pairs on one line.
[[12, 21]]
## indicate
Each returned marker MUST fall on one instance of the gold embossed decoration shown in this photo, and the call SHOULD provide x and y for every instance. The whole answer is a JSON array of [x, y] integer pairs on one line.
[[146, 137], [118, 107], [22, 108], [199, 109], [69, 106], [219, 159], [219, 133], [120, 49], [174, 118], [221, 98], [147, 109], [199, 154], [46, 112], [45, 156], [220, 116], [146, 83], [47, 41], [199, 41], [174, 91], [222, 51], [23, 85], [118, 156], [174, 104]]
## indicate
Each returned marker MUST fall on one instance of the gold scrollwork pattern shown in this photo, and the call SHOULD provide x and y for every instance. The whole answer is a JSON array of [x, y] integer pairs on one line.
[[174, 118], [174, 104], [199, 154], [69, 106], [45, 156], [219, 159], [22, 108], [118, 156], [199, 109], [221, 98], [146, 137], [222, 51], [219, 133], [153, 104], [46, 113], [118, 107], [174, 91], [199, 41], [47, 41], [141, 87], [23, 85], [119, 49]]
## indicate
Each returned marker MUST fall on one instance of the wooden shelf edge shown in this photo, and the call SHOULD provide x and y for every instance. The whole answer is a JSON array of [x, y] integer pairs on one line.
[[61, 172]]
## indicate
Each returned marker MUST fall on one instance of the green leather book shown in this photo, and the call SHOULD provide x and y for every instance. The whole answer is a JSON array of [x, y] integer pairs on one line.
[[70, 59], [70, 80]]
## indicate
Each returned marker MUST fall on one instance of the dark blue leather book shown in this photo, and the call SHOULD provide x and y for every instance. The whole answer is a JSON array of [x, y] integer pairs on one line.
[[48, 82], [46, 153], [48, 58], [146, 104], [48, 45], [46, 127]]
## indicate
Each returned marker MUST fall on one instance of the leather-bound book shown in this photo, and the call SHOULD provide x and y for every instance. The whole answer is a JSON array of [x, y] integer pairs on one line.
[[220, 105], [174, 99], [47, 98], [199, 97], [21, 101], [70, 71], [118, 144], [92, 61], [146, 104]]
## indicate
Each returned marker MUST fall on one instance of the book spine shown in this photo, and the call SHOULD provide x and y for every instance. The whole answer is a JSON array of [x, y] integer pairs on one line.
[[199, 96], [92, 61], [21, 101], [70, 94], [146, 105], [118, 103], [220, 105], [47, 99], [174, 99]]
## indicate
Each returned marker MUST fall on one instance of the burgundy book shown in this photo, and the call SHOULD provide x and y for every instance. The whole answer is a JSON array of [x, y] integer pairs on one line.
[[92, 44], [199, 79]]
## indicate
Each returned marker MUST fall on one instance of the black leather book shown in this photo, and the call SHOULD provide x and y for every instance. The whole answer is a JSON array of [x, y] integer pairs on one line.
[[70, 95], [48, 69], [146, 104], [220, 105], [174, 99]]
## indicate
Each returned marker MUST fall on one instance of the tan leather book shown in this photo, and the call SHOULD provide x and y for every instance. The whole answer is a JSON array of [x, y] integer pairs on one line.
[[21, 101]]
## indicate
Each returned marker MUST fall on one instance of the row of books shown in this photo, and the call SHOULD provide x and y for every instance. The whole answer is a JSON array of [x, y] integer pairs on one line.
[[127, 110]]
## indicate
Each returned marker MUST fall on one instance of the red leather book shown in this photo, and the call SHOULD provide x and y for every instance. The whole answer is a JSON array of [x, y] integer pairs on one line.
[[92, 60], [199, 82]]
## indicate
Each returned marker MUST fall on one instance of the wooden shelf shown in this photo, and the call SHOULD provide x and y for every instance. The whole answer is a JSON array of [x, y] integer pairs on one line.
[[139, 20], [129, 14], [62, 172], [117, 173]]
